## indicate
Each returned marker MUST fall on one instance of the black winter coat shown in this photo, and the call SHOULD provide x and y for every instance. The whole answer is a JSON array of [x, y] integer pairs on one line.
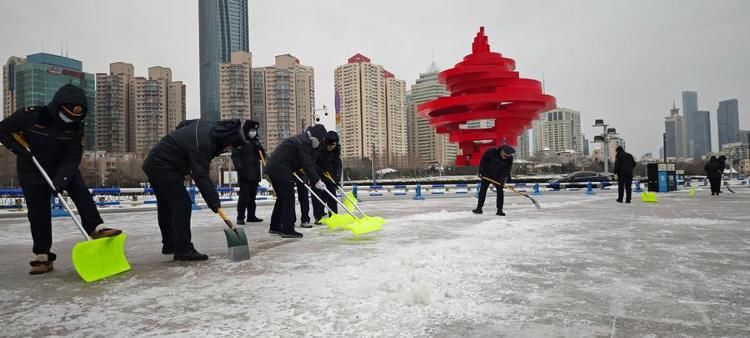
[[492, 166], [57, 145], [714, 169], [247, 160], [188, 150], [291, 155], [329, 162], [624, 165]]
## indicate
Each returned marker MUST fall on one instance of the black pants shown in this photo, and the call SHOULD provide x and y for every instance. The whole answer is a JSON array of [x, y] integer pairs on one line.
[[248, 191], [715, 185], [624, 186], [303, 196], [282, 218], [40, 213], [484, 185], [318, 210], [174, 209]]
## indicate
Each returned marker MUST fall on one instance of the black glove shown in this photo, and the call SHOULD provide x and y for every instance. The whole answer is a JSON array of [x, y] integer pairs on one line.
[[60, 183], [215, 208], [19, 150]]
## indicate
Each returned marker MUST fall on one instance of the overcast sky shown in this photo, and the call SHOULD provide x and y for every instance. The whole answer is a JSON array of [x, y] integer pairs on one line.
[[623, 61]]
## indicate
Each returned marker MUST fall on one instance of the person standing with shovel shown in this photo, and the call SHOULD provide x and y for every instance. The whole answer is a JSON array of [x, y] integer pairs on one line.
[[188, 150], [495, 165], [329, 166], [291, 155], [52, 136], [246, 161]]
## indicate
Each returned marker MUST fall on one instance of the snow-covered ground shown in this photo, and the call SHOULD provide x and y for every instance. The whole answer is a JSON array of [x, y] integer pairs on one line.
[[582, 266]]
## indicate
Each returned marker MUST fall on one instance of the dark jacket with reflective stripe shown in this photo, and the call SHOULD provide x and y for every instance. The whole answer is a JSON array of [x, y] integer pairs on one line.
[[624, 165], [188, 150], [57, 145], [290, 155]]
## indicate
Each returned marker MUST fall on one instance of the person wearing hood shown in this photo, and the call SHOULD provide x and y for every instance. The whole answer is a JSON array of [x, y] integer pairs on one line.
[[291, 155], [624, 165], [188, 150], [496, 164], [328, 162], [246, 161], [714, 170], [54, 133]]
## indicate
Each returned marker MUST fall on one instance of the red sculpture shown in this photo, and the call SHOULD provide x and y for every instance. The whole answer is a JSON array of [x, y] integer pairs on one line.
[[485, 86]]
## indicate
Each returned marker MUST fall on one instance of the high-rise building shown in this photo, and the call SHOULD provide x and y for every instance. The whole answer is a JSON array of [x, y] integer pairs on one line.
[[585, 145], [676, 132], [411, 131], [236, 87], [559, 130], [113, 102], [223, 28], [728, 120], [372, 108], [134, 113], [35, 81], [701, 133], [283, 99], [9, 84], [522, 146], [689, 107], [429, 146]]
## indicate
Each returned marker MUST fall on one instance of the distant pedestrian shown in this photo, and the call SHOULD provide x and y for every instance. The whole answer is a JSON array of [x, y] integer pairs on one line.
[[624, 165], [246, 161], [495, 165], [714, 169]]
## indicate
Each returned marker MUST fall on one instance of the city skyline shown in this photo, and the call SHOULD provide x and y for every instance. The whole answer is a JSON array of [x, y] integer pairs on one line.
[[625, 74]]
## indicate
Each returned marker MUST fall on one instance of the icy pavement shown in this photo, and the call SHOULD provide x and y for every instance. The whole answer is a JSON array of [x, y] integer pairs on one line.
[[581, 266]]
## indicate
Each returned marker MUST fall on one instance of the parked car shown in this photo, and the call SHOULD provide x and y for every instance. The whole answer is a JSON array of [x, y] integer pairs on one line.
[[580, 179]]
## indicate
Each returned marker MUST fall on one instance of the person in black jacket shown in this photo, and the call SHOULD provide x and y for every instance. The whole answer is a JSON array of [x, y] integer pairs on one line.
[[188, 150], [714, 170], [495, 164], [624, 165], [328, 163], [54, 133], [291, 155], [246, 161]]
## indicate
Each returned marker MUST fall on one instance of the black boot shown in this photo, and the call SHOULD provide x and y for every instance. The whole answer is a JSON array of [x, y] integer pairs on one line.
[[191, 256], [274, 232], [240, 221], [291, 234], [254, 219], [167, 249], [477, 211], [500, 213]]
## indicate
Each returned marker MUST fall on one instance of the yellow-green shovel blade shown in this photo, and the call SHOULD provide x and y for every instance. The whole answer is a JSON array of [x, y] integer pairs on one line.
[[350, 201], [365, 225], [336, 220], [100, 258], [648, 197]]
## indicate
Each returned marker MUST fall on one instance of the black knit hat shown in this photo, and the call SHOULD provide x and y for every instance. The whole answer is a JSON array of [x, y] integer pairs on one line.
[[318, 131], [332, 137], [619, 149], [228, 132], [508, 149], [250, 124]]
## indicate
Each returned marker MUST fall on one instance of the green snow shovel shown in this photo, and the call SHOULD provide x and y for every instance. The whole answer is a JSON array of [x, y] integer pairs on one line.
[[236, 239], [536, 204], [93, 259], [374, 221]]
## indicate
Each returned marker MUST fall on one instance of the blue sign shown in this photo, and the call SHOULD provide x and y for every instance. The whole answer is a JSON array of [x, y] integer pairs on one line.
[[663, 185]]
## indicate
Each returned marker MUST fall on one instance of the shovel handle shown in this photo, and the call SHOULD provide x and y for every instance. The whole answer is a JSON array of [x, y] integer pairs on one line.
[[19, 138], [226, 219]]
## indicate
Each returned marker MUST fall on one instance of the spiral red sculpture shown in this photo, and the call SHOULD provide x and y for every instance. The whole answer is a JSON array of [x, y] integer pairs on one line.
[[485, 86]]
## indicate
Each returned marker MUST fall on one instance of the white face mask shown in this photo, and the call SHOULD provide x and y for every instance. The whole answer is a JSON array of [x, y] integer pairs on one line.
[[64, 118], [252, 133]]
